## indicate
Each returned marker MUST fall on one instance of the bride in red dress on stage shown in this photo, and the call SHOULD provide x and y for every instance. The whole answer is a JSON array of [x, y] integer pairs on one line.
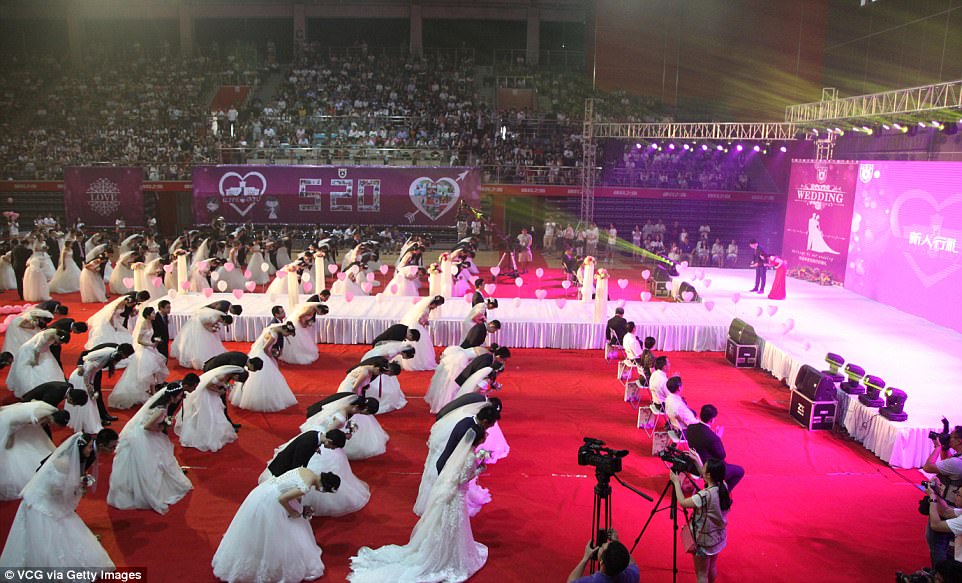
[[778, 287]]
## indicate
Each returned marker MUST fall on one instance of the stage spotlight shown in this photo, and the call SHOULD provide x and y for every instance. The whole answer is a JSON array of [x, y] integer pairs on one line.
[[921, 124], [739, 148], [638, 145], [873, 390], [654, 146], [757, 148], [855, 374], [935, 124], [814, 131], [897, 126], [886, 126], [783, 149], [719, 147], [834, 362], [686, 147], [671, 146], [894, 405], [704, 147]]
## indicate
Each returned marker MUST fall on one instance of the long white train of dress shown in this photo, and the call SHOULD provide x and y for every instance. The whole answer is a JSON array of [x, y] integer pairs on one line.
[[202, 424], [266, 390], [30, 445]]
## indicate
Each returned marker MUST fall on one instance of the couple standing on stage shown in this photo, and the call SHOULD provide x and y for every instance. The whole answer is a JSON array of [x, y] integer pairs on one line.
[[761, 261]]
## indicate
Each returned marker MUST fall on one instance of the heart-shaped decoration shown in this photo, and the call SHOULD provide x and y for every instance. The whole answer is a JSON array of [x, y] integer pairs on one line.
[[128, 282], [332, 268], [185, 285], [367, 287], [370, 277], [415, 300], [784, 329], [208, 292], [238, 293], [759, 311], [539, 272], [622, 283], [171, 293], [222, 286], [434, 197], [621, 303], [467, 297], [308, 286], [687, 295], [489, 288], [736, 297], [156, 281], [772, 310], [517, 302], [518, 281], [560, 302], [566, 284], [214, 275], [281, 275], [306, 276], [706, 282], [541, 293], [383, 269], [168, 268], [248, 274], [393, 288], [790, 323], [709, 305], [645, 274], [229, 267], [250, 286], [378, 297], [646, 296], [348, 297], [807, 346], [341, 276], [495, 270], [242, 193], [265, 267], [701, 274], [919, 207]]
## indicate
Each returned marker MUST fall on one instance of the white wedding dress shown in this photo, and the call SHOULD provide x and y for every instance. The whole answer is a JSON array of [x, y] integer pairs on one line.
[[67, 278], [145, 369], [29, 445], [33, 364], [202, 423], [266, 390], [387, 388], [195, 344], [424, 358], [35, 286]]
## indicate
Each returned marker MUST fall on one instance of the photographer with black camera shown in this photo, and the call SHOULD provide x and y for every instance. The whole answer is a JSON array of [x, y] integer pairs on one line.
[[945, 462], [709, 523], [615, 563]]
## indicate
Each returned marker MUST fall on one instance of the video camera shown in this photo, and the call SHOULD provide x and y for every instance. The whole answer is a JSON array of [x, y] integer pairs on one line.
[[677, 460], [942, 437], [594, 453]]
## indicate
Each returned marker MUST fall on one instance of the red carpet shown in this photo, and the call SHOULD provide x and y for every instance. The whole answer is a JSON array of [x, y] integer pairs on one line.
[[813, 506]]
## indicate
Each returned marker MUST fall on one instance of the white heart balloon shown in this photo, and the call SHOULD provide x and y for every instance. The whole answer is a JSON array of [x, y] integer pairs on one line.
[[622, 283], [645, 274], [709, 305], [495, 270], [489, 288], [560, 302], [222, 285], [541, 293], [646, 296]]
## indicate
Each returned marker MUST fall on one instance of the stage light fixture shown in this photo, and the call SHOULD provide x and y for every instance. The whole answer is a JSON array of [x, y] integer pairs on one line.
[[935, 124], [739, 148], [783, 149], [704, 147], [719, 147], [894, 405], [638, 145], [873, 390], [686, 147], [757, 148], [886, 126], [855, 374], [921, 124], [654, 146], [834, 362], [671, 146]]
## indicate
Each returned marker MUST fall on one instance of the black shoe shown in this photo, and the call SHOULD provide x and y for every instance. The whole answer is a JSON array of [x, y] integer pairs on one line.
[[109, 418], [105, 422], [752, 290], [236, 426]]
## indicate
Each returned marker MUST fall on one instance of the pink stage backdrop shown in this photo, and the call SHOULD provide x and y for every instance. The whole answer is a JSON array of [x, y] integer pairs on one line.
[[100, 196], [907, 238], [333, 195], [818, 219]]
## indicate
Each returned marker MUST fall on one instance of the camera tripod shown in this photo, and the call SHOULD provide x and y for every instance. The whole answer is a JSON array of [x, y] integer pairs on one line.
[[514, 265], [673, 511], [601, 512]]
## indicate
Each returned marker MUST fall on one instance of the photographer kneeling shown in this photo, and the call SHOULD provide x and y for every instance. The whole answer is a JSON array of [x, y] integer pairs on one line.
[[946, 464], [616, 564], [709, 521]]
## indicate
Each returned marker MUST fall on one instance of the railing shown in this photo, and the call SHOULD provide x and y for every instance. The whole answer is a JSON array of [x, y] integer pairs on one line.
[[354, 155], [555, 59], [520, 174]]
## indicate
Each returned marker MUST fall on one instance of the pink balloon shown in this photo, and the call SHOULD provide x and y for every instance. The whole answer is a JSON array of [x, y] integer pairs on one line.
[[348, 297], [560, 302], [341, 276], [208, 292], [566, 284], [238, 293], [621, 303], [332, 268], [250, 286], [415, 300], [489, 288], [370, 277], [308, 286], [709, 305], [495, 270], [393, 288], [185, 285], [281, 275], [171, 293], [168, 268], [808, 346], [367, 287], [622, 283], [128, 282], [539, 272], [517, 302], [646, 296], [645, 274], [467, 297], [248, 274], [687, 296], [772, 310], [736, 297], [383, 269], [541, 293], [518, 281], [228, 267], [706, 282], [156, 281], [759, 311]]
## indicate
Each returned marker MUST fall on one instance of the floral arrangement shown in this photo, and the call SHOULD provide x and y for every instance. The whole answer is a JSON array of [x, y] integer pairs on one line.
[[590, 260], [443, 257], [602, 274], [434, 268], [815, 275], [45, 222]]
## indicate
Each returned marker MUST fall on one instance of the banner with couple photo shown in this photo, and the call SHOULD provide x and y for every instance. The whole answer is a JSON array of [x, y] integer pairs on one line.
[[818, 219], [333, 195]]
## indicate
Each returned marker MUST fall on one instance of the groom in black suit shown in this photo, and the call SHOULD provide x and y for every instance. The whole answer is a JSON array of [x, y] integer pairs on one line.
[[760, 263]]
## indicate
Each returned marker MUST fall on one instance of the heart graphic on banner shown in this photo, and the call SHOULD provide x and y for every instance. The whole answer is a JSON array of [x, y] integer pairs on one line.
[[348, 297], [168, 268], [242, 193], [229, 267], [645, 274], [308, 286], [560, 302], [306, 276], [924, 212], [280, 275], [129, 282], [495, 270], [222, 286], [250, 286], [367, 286], [265, 267], [622, 283], [759, 311], [790, 323], [434, 197], [156, 281], [467, 297], [621, 303], [687, 295], [238, 293], [709, 305], [646, 296], [518, 281], [541, 293], [489, 288], [415, 300], [185, 285], [383, 269], [208, 292], [517, 302]]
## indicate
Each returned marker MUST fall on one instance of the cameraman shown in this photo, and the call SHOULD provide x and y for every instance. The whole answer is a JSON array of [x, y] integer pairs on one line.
[[946, 464], [616, 563]]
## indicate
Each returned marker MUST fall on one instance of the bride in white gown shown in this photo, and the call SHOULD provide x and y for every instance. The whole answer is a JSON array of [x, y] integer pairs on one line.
[[47, 532], [145, 370], [266, 390], [270, 537], [67, 278], [417, 318], [442, 547], [24, 443]]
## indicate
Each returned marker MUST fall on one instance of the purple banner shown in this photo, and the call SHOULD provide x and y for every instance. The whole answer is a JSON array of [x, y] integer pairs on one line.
[[906, 248], [101, 196], [339, 195], [818, 219]]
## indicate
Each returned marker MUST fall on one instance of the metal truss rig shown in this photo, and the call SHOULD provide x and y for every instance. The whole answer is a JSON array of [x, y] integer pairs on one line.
[[709, 131], [913, 100]]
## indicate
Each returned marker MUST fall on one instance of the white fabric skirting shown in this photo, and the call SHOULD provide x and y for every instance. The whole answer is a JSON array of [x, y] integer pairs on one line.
[[526, 323]]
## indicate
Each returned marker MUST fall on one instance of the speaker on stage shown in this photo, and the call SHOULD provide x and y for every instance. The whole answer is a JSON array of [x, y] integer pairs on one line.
[[814, 385], [742, 332]]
